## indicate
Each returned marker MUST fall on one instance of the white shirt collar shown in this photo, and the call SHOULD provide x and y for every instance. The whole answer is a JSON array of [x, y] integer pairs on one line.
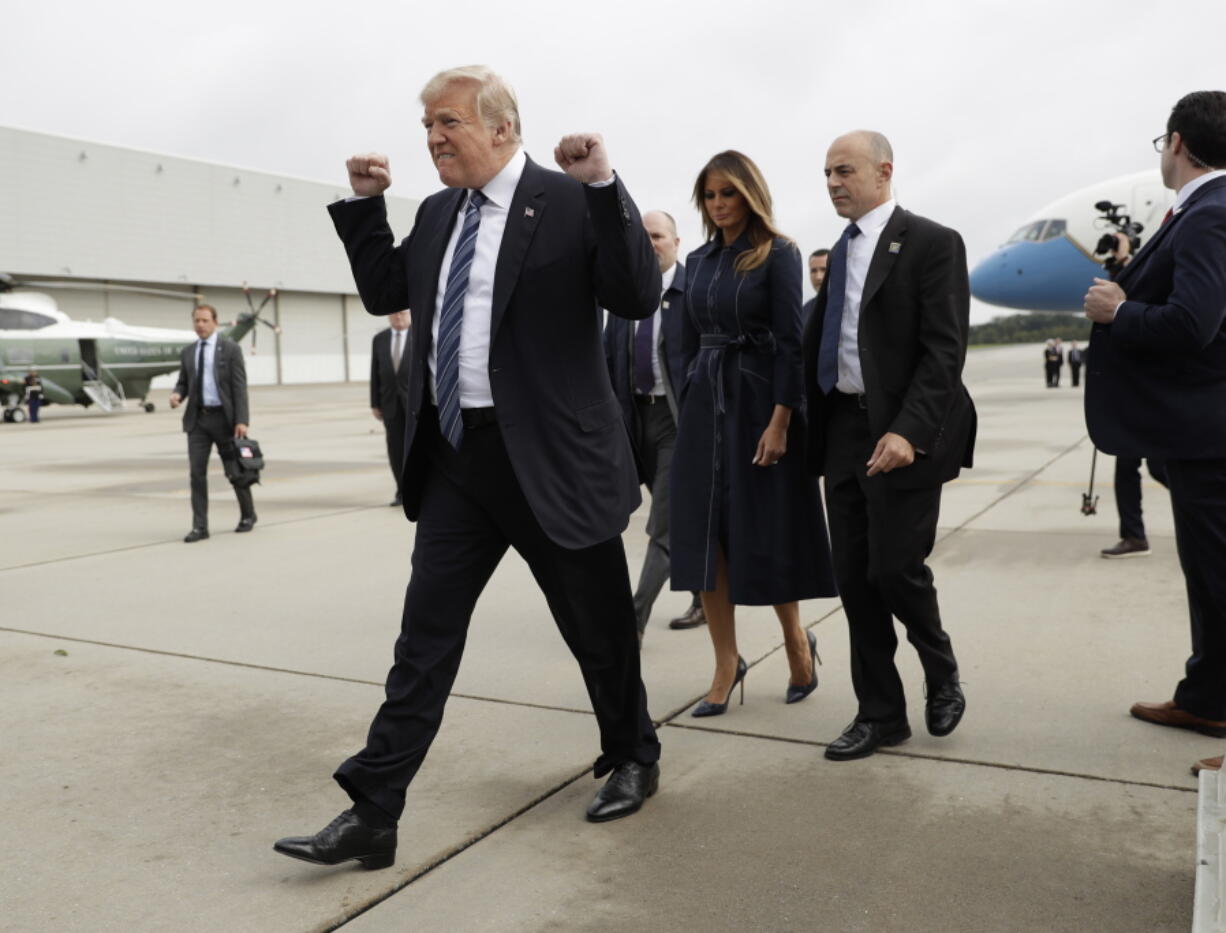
[[1186, 191], [872, 223], [211, 340], [666, 279], [501, 188]]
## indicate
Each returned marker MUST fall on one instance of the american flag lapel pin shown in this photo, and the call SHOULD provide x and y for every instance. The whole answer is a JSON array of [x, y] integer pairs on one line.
[[895, 246], [529, 212]]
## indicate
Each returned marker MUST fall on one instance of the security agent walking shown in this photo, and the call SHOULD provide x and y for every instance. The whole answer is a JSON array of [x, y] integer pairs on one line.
[[390, 354], [647, 370], [514, 436], [1156, 386], [890, 422], [213, 381]]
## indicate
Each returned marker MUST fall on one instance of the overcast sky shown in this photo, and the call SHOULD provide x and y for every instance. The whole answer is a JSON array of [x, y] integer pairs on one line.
[[994, 108]]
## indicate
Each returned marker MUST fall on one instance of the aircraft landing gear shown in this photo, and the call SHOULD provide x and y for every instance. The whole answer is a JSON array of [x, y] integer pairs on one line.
[[149, 407], [14, 415]]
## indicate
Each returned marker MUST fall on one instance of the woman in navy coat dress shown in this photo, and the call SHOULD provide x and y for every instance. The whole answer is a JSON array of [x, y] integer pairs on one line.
[[747, 523]]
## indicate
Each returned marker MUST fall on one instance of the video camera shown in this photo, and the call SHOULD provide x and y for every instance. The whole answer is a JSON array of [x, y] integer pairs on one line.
[[1123, 223]]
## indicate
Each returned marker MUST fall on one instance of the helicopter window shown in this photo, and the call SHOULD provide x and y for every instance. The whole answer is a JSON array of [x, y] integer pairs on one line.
[[17, 319], [1054, 229], [1031, 232]]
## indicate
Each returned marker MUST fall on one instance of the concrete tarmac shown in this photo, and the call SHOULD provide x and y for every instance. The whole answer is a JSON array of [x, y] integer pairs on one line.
[[170, 710]]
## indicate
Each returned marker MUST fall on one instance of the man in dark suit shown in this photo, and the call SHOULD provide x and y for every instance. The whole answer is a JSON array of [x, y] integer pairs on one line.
[[390, 354], [819, 260], [514, 437], [213, 380], [1156, 386], [647, 369], [890, 421]]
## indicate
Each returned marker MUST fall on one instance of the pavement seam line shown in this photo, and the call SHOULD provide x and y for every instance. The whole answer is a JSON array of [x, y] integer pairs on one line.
[[1016, 487], [454, 852], [899, 753], [149, 544]]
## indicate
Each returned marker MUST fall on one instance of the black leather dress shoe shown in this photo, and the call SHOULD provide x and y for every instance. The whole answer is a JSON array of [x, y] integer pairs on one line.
[[246, 523], [346, 837], [945, 707], [861, 739], [624, 792], [692, 618], [196, 534]]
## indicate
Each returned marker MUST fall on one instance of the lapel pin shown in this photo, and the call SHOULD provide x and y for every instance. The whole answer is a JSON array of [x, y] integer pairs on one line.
[[895, 247], [666, 304], [529, 212]]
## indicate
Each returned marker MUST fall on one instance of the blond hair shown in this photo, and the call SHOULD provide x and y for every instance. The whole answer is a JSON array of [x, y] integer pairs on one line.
[[747, 179], [496, 101]]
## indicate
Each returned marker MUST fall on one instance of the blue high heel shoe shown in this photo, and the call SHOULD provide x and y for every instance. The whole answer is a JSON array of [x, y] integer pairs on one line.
[[796, 694], [706, 708]]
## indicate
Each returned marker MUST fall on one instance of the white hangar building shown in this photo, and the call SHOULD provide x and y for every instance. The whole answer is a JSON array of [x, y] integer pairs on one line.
[[86, 213]]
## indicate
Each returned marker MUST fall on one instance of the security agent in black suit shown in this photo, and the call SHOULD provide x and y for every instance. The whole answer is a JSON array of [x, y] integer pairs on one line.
[[819, 261], [647, 368], [1156, 386], [390, 355], [216, 413], [514, 437], [890, 421]]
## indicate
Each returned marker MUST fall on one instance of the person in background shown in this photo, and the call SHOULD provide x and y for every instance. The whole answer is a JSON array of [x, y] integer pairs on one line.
[[213, 381], [390, 353], [818, 261], [34, 393], [647, 371]]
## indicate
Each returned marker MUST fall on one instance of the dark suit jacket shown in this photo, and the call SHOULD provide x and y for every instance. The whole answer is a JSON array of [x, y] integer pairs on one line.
[[914, 323], [568, 250], [229, 373], [1156, 377], [619, 349], [389, 387]]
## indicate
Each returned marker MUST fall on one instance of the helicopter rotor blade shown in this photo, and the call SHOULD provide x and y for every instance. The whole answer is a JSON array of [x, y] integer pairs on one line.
[[8, 283]]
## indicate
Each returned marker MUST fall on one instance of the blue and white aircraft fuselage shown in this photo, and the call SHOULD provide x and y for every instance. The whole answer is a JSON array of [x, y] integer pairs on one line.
[[1048, 264]]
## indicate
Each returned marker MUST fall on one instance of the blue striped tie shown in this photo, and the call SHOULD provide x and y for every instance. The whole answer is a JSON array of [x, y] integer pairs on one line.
[[447, 355], [836, 296]]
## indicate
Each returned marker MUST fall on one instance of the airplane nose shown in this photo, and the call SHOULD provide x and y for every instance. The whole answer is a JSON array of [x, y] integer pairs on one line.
[[1048, 276]]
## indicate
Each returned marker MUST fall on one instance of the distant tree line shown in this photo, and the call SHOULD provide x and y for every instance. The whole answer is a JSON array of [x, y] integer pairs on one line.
[[1031, 328]]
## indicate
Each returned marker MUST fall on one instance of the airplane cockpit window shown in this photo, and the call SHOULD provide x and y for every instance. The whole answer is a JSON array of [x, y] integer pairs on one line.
[[18, 319], [1055, 228], [1032, 232]]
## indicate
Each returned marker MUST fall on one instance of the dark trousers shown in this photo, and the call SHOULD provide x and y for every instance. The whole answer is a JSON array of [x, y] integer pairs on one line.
[[1075, 370], [393, 428], [1053, 374], [472, 509], [212, 429], [656, 439], [34, 402], [1198, 499], [1128, 493], [880, 537]]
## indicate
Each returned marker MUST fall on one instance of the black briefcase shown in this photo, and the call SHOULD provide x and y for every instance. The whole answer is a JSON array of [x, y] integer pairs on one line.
[[248, 462]]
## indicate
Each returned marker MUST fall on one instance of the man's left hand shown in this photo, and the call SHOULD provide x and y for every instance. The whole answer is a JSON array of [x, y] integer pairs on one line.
[[1102, 299], [240, 430], [892, 451], [582, 156]]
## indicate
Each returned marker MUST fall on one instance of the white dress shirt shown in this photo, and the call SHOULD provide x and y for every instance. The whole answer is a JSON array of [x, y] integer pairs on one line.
[[475, 391], [860, 251], [398, 338], [208, 378], [1186, 191], [657, 322]]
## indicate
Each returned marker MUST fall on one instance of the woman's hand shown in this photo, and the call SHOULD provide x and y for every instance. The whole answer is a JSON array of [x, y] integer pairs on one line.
[[774, 441]]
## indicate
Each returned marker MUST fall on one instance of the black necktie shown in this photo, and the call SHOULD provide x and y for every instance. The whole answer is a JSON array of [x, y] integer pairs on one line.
[[200, 375], [836, 294], [644, 373]]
